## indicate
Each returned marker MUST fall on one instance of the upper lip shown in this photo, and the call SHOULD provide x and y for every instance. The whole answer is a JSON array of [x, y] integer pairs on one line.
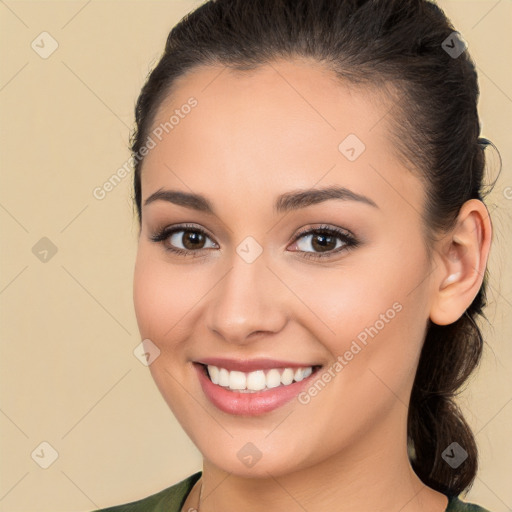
[[249, 365]]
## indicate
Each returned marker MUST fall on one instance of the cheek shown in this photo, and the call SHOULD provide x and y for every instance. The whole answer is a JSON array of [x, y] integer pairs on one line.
[[169, 298], [164, 295]]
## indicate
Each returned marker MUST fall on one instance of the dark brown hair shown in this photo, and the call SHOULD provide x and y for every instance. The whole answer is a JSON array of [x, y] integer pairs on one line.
[[399, 44]]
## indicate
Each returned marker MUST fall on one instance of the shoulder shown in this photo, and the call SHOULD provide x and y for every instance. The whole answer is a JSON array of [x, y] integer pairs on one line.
[[455, 504], [170, 499]]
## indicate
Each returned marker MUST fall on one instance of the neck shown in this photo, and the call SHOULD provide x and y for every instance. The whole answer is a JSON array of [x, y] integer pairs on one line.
[[372, 474]]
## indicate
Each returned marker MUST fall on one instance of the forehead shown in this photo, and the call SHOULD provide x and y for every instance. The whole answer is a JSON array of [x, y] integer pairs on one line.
[[263, 128], [288, 91]]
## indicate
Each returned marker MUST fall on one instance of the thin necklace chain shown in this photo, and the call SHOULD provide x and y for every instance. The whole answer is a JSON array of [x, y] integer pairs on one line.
[[200, 496], [192, 509]]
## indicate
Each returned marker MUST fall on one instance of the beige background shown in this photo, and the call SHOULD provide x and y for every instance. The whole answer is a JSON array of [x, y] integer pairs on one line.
[[68, 373]]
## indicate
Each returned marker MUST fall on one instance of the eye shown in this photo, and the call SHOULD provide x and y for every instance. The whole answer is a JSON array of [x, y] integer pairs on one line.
[[190, 240], [184, 239], [327, 240]]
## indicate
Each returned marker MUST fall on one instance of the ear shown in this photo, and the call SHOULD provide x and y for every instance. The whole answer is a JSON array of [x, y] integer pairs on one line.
[[461, 261]]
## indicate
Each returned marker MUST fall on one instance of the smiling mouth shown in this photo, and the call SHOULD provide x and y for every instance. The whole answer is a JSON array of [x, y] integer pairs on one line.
[[258, 380]]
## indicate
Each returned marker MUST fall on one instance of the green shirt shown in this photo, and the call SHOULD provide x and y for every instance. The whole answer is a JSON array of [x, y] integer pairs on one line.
[[172, 499]]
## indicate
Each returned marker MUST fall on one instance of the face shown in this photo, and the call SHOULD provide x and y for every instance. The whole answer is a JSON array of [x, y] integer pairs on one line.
[[263, 281]]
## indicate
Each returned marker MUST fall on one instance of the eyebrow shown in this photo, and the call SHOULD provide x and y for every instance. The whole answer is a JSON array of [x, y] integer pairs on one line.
[[289, 201]]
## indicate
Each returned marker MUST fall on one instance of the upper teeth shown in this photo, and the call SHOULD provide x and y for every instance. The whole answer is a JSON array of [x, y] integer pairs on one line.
[[257, 380]]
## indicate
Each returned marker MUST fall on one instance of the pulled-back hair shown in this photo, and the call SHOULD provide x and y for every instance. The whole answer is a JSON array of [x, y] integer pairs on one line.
[[399, 45]]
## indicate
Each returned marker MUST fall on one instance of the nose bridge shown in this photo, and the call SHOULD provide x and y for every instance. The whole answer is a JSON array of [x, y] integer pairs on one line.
[[244, 302]]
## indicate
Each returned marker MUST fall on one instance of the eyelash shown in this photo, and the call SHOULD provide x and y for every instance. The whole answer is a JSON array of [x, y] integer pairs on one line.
[[349, 241]]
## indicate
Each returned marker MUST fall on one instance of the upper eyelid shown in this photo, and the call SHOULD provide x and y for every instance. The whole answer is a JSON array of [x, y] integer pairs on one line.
[[171, 230], [324, 227]]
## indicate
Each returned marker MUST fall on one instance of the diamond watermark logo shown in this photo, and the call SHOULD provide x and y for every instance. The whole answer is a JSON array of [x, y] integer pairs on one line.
[[249, 454], [249, 249], [352, 147], [454, 45], [44, 455], [146, 352], [44, 250], [454, 455], [44, 45]]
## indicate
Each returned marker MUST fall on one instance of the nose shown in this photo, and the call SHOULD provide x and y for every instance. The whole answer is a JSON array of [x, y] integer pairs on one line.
[[249, 302]]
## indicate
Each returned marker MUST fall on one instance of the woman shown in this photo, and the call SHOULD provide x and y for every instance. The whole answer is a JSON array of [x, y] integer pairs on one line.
[[312, 254]]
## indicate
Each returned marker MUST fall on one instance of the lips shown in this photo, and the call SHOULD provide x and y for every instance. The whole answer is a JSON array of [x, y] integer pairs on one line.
[[243, 402]]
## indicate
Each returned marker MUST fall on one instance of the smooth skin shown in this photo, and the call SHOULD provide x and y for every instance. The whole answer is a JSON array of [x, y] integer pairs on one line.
[[252, 137]]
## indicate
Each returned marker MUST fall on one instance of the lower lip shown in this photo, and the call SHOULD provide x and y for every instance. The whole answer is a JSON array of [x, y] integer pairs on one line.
[[249, 404]]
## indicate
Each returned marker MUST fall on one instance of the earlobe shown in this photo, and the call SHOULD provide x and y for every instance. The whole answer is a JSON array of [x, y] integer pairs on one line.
[[461, 264]]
